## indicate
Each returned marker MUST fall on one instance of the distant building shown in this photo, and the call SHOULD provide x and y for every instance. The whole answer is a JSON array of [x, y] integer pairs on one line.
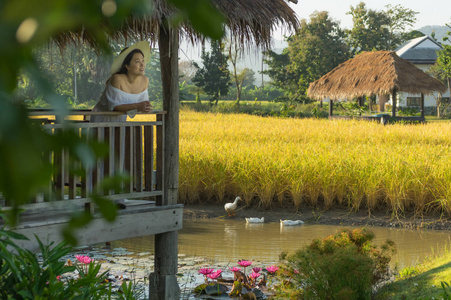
[[422, 52]]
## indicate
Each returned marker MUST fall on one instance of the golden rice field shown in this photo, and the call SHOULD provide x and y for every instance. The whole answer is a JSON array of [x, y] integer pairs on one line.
[[315, 162]]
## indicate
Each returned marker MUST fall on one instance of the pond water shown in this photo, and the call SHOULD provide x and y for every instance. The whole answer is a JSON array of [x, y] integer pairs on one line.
[[226, 241]]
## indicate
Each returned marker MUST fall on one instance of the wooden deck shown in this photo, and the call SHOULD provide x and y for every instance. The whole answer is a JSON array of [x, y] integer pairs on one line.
[[139, 218], [136, 149]]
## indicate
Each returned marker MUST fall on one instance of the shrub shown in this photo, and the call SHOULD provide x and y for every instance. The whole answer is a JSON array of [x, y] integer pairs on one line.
[[23, 275], [343, 266]]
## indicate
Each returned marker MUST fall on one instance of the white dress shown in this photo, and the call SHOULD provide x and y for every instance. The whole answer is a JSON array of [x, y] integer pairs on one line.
[[112, 97]]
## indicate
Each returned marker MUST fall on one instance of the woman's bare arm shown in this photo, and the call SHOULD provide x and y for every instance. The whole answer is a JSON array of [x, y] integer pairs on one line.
[[143, 106]]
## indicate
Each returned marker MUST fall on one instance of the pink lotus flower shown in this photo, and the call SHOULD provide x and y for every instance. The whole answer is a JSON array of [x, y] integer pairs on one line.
[[215, 275], [206, 271], [272, 269], [256, 269], [235, 269], [83, 259], [244, 263], [255, 275]]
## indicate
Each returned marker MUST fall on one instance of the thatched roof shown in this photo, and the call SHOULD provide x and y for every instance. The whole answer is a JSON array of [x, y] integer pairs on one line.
[[248, 22], [373, 73]]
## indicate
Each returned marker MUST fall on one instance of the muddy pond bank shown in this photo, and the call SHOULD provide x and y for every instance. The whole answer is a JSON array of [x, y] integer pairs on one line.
[[335, 216]]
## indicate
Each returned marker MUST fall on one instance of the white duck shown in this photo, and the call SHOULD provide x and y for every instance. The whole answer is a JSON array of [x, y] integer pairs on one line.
[[290, 222], [255, 220], [230, 207]]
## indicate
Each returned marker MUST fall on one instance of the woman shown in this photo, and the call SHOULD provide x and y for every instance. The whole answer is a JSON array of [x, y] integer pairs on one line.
[[126, 90]]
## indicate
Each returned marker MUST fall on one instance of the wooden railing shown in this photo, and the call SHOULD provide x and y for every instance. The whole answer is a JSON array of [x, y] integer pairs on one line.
[[135, 148]]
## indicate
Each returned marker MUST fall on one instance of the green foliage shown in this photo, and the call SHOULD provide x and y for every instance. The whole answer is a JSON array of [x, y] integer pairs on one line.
[[408, 111], [203, 16], [343, 266], [408, 272], [379, 30], [213, 77], [26, 26], [316, 48], [446, 290], [153, 70], [27, 275], [443, 65]]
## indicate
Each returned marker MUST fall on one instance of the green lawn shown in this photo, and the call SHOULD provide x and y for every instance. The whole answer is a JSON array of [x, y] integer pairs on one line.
[[422, 281]]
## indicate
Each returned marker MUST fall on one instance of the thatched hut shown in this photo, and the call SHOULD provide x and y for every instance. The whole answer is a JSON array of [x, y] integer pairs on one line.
[[248, 22], [374, 73]]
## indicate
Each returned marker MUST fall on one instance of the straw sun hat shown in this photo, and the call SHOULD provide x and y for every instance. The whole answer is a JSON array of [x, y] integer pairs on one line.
[[144, 46]]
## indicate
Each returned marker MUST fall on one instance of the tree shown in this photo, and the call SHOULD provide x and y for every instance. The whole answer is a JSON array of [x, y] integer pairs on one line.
[[214, 76], [238, 75], [379, 30], [186, 71], [153, 71], [277, 70], [249, 79], [413, 35], [316, 48], [442, 67]]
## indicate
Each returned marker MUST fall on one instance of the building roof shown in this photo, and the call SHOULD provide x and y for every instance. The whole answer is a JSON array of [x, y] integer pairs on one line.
[[373, 73], [422, 50], [248, 22]]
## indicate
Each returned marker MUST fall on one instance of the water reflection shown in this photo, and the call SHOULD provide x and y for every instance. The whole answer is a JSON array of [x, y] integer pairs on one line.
[[231, 240]]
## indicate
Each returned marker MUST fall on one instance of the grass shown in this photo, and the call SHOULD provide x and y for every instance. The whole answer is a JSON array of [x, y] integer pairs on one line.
[[420, 282], [315, 162]]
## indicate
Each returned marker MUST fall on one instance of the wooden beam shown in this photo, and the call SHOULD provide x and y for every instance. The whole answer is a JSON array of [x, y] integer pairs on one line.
[[138, 131], [134, 221], [163, 282], [169, 44], [148, 157]]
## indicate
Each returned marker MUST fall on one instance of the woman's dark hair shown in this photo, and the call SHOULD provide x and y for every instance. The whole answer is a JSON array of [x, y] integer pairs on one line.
[[127, 61]]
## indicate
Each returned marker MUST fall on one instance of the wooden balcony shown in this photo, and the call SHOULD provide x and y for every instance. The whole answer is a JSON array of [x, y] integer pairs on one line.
[[136, 149]]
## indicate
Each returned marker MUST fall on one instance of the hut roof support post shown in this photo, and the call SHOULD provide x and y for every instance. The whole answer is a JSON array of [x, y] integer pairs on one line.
[[163, 282], [331, 107], [422, 107], [394, 100]]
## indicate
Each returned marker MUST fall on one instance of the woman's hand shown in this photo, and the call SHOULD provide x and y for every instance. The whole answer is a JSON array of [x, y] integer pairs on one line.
[[144, 107]]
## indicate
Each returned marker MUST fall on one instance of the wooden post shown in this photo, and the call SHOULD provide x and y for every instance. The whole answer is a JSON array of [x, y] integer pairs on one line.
[[163, 282], [331, 110], [168, 43], [382, 100], [394, 100], [360, 101], [422, 107]]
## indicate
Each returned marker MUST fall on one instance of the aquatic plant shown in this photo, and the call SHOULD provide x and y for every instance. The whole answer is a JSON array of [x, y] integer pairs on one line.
[[215, 275], [242, 284], [272, 269], [244, 264], [256, 269], [83, 259]]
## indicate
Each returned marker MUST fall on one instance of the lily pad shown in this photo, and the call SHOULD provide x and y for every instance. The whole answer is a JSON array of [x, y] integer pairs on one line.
[[211, 289], [215, 289]]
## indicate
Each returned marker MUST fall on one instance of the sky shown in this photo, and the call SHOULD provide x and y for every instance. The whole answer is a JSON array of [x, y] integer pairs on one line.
[[431, 12]]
